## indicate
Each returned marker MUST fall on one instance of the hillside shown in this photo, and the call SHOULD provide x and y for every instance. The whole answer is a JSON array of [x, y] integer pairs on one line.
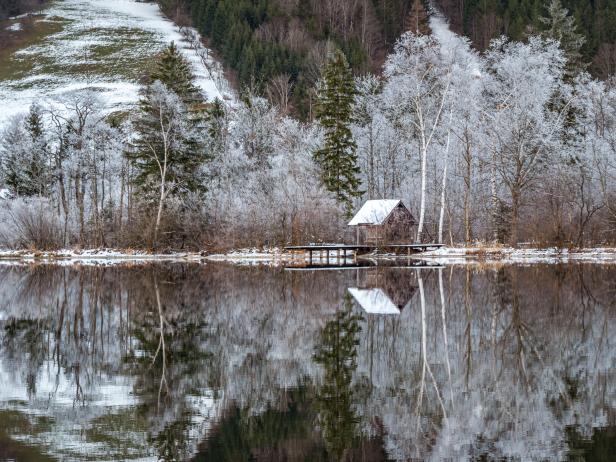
[[277, 46], [105, 46]]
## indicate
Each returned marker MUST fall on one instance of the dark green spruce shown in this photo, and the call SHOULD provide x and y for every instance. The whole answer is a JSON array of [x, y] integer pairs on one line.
[[338, 157]]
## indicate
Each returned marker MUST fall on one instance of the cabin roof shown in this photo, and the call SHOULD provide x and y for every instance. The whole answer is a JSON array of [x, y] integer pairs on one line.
[[374, 301], [375, 212]]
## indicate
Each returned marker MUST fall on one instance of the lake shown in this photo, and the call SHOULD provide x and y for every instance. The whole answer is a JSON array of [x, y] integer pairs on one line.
[[218, 362]]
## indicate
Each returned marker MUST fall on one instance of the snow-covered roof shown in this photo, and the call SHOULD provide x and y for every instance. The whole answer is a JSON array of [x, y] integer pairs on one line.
[[374, 301], [374, 212]]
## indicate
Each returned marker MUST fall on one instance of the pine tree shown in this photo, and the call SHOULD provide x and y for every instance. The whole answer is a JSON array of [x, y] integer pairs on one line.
[[561, 27], [417, 19], [338, 157], [175, 72], [37, 170]]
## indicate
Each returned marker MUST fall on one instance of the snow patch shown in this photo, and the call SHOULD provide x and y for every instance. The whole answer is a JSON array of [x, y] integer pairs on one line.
[[462, 255], [14, 27], [93, 257]]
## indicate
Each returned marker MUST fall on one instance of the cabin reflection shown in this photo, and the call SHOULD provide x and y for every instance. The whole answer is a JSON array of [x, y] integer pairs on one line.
[[384, 291]]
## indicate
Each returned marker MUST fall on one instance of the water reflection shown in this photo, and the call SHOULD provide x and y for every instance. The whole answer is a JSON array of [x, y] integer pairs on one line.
[[336, 352], [384, 290], [179, 362]]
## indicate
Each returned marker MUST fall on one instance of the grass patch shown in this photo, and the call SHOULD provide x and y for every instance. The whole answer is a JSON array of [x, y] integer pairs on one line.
[[33, 31], [118, 53]]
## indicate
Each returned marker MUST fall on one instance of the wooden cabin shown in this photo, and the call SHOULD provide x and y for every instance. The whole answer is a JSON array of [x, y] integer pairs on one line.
[[384, 221]]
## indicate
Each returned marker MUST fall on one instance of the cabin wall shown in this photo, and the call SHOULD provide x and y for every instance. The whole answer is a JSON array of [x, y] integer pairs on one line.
[[398, 229]]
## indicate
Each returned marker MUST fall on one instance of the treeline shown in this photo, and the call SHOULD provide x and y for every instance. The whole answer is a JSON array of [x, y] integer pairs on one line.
[[176, 172], [484, 20], [9, 8], [277, 47]]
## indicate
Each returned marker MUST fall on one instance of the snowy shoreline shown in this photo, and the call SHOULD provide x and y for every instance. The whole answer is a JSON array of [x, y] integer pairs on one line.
[[509, 255], [93, 256], [276, 256]]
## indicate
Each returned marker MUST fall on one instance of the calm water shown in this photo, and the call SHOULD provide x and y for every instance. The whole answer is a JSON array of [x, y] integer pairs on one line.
[[220, 363]]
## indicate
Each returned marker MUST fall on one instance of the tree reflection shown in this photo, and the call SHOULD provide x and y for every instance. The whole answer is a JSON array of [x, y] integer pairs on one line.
[[225, 363], [337, 354], [171, 364]]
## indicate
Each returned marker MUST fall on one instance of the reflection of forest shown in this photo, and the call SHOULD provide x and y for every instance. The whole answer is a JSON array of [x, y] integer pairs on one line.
[[224, 363]]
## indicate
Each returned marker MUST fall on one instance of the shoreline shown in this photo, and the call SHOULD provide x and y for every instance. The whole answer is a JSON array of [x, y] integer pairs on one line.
[[275, 256]]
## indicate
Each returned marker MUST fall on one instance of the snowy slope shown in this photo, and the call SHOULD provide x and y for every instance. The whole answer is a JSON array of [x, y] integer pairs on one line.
[[98, 44]]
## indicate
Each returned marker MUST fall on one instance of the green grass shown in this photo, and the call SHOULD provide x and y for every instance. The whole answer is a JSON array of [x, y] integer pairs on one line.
[[119, 53], [13, 66]]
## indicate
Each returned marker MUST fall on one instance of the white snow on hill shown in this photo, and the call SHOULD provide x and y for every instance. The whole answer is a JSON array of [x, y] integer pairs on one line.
[[97, 44]]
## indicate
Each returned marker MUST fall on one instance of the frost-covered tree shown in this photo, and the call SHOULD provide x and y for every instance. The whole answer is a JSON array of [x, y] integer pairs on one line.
[[560, 26], [417, 87], [337, 157], [24, 160], [524, 129]]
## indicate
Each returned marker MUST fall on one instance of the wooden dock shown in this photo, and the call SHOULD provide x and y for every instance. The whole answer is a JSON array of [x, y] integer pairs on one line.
[[344, 250]]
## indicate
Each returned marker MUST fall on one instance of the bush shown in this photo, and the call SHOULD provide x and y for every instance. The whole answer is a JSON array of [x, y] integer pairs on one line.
[[31, 224]]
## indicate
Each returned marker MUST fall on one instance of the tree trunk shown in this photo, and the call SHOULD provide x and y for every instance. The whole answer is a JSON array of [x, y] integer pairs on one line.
[[494, 198], [441, 219], [159, 213], [468, 232], [515, 214], [422, 202]]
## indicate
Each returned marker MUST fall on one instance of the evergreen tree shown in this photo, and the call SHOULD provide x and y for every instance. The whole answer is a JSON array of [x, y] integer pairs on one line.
[[175, 72], [561, 27], [338, 157], [38, 169]]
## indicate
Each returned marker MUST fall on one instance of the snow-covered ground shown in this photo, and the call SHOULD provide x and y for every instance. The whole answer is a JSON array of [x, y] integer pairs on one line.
[[275, 256], [253, 256], [93, 257], [96, 44], [457, 255]]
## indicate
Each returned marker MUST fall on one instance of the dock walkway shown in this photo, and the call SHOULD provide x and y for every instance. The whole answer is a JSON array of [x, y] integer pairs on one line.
[[342, 249]]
